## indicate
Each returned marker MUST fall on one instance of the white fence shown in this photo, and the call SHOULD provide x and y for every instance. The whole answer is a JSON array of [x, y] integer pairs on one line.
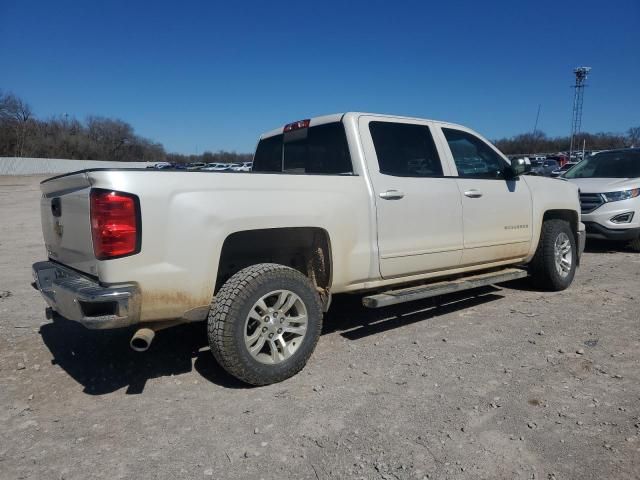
[[43, 166]]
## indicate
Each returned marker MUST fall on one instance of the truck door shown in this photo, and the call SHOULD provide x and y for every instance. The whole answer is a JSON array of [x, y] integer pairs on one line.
[[419, 210], [496, 212]]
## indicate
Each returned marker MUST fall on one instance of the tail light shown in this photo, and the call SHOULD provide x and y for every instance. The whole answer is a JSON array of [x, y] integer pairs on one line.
[[115, 224]]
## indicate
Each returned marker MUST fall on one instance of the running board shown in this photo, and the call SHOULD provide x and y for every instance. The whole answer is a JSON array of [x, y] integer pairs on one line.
[[410, 294]]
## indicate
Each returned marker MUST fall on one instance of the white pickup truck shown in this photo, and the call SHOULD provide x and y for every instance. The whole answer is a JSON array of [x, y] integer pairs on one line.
[[399, 208]]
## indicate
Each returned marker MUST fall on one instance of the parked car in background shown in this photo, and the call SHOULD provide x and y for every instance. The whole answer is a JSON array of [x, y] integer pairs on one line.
[[196, 166], [217, 167], [160, 165], [561, 158], [243, 167], [545, 167], [560, 171], [609, 184], [397, 208], [535, 165]]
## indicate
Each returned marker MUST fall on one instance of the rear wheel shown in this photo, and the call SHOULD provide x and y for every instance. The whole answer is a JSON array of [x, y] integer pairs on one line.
[[265, 323], [554, 263]]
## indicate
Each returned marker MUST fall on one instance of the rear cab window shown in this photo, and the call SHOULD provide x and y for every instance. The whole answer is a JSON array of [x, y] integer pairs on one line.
[[315, 150]]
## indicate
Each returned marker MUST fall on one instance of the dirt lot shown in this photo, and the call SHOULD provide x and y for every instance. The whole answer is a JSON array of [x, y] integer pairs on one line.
[[501, 383]]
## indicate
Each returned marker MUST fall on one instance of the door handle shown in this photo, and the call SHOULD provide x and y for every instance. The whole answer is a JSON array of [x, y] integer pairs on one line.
[[473, 193], [392, 195]]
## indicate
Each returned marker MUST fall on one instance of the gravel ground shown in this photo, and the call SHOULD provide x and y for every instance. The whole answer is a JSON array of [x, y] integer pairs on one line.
[[498, 383]]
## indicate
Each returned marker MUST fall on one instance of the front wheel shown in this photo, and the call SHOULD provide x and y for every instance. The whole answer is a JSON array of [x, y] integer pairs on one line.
[[265, 323], [554, 263]]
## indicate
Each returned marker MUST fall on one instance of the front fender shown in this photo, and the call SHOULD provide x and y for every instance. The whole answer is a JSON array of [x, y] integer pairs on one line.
[[553, 197]]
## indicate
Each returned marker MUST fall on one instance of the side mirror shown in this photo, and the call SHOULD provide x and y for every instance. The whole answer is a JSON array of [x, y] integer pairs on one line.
[[519, 166]]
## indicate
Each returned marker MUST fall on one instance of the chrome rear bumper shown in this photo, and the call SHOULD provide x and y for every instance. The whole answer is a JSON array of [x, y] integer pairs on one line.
[[82, 299]]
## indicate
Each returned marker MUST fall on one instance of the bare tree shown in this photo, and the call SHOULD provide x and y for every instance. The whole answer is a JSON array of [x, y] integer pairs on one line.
[[17, 114], [634, 136]]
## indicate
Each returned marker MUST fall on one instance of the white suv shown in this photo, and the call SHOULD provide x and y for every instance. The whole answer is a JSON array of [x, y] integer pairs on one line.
[[609, 184]]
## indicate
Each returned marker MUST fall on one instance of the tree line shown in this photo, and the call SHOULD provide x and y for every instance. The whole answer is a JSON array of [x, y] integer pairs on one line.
[[100, 138], [22, 134], [539, 142]]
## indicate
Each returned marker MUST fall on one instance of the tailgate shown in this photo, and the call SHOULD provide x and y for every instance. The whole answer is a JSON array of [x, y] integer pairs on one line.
[[66, 223]]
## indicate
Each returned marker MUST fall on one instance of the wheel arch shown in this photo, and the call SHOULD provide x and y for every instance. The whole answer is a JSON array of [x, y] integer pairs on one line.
[[566, 214], [563, 214], [306, 249]]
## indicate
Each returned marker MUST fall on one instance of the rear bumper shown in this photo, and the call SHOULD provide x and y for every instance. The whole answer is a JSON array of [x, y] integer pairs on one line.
[[595, 230], [83, 300]]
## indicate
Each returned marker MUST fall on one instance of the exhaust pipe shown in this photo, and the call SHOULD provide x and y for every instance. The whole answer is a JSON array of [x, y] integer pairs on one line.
[[141, 340]]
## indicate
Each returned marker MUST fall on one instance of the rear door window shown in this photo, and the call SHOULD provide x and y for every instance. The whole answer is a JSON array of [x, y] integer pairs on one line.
[[322, 149], [405, 150]]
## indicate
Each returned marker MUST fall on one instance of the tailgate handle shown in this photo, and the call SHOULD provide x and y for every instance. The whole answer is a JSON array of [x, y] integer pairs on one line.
[[56, 207]]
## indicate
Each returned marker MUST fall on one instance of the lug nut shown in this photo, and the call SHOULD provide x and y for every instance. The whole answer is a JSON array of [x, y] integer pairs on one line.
[[282, 320], [279, 330], [271, 335], [266, 319], [264, 329]]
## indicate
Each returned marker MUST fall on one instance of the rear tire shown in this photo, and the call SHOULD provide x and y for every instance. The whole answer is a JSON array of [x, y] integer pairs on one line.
[[554, 263], [265, 323]]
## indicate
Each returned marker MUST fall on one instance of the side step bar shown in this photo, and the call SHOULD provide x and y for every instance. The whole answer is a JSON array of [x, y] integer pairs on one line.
[[410, 294]]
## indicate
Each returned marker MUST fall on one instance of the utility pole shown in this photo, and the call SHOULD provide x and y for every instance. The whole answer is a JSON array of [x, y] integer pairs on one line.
[[535, 130], [578, 97], [535, 127]]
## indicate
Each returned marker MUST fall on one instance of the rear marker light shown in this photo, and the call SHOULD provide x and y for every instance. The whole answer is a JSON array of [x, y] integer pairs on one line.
[[115, 224], [296, 125]]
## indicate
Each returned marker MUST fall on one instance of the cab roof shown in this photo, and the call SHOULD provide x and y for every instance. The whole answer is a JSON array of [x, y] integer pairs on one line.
[[337, 117]]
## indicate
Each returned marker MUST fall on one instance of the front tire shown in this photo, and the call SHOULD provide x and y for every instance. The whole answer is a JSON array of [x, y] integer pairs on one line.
[[554, 263], [265, 323]]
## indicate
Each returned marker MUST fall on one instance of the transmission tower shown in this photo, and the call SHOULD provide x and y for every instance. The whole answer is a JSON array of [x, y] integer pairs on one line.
[[578, 96]]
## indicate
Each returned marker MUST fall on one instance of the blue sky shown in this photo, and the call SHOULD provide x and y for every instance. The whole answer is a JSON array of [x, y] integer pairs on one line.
[[213, 75]]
